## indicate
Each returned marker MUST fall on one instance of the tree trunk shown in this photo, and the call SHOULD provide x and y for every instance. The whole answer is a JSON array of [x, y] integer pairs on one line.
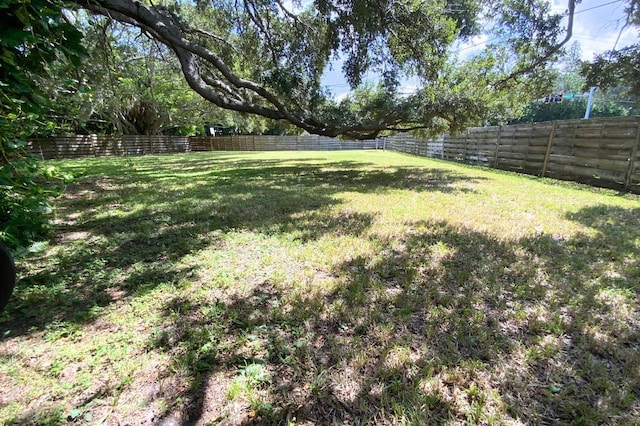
[[7, 276]]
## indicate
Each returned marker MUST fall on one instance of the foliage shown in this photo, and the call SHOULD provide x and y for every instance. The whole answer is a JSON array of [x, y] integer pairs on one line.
[[267, 58], [254, 64], [130, 85], [26, 187], [618, 67], [571, 109], [35, 34], [567, 78]]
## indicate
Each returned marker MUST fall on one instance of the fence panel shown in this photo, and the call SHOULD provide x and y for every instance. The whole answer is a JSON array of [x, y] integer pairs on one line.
[[604, 151], [83, 146]]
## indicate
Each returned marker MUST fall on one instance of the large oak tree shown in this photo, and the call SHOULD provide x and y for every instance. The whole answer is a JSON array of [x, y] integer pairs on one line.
[[267, 57]]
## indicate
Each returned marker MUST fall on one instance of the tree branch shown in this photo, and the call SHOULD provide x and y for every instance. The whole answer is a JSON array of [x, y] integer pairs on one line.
[[218, 82], [162, 28], [500, 84]]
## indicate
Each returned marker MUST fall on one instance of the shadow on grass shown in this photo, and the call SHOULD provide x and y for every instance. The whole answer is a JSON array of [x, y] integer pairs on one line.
[[442, 324], [445, 324], [125, 227]]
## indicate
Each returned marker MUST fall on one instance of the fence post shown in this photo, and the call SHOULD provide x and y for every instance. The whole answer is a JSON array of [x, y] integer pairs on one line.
[[466, 143], [93, 141], [495, 157], [548, 153], [632, 159]]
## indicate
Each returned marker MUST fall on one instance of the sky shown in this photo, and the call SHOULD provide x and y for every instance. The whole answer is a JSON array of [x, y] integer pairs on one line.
[[597, 25]]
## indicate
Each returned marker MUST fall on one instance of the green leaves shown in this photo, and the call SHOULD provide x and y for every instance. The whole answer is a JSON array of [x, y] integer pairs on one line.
[[26, 185], [615, 68], [16, 37], [268, 58], [34, 36]]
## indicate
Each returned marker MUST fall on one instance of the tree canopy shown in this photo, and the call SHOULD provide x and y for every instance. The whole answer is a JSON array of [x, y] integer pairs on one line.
[[267, 57], [568, 81], [35, 35], [618, 67]]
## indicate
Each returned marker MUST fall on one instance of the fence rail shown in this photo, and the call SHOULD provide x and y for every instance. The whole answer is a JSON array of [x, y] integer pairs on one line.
[[277, 143], [98, 146], [603, 152]]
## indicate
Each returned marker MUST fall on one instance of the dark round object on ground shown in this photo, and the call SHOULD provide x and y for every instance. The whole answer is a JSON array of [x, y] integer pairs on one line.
[[7, 276]]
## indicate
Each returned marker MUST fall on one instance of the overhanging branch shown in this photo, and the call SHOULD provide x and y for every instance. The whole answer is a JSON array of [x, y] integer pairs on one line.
[[500, 84], [216, 81]]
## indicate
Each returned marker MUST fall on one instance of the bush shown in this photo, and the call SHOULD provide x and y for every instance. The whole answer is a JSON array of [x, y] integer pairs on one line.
[[26, 187]]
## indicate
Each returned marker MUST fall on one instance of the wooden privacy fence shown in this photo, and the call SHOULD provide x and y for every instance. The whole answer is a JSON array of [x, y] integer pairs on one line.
[[410, 145], [602, 152], [98, 146], [277, 143]]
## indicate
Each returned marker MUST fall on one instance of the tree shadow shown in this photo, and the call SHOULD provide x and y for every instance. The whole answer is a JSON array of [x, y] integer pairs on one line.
[[441, 324], [444, 324], [122, 234]]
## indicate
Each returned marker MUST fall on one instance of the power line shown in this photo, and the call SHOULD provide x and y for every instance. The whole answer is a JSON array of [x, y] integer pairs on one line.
[[597, 7], [599, 39], [575, 13]]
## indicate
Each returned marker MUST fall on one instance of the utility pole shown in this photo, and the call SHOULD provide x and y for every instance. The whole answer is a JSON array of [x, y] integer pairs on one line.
[[587, 113]]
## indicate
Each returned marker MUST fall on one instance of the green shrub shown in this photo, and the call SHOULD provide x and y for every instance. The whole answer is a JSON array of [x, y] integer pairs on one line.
[[26, 187]]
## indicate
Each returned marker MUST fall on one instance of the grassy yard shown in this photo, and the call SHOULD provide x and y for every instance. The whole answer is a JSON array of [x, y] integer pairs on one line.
[[325, 288]]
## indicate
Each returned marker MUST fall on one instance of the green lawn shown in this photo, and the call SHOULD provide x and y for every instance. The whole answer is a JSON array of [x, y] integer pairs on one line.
[[325, 288]]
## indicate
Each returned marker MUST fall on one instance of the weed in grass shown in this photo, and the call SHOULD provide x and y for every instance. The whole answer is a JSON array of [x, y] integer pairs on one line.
[[61, 329], [247, 385]]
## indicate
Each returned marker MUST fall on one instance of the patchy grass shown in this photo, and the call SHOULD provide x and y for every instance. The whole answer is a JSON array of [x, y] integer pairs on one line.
[[324, 288]]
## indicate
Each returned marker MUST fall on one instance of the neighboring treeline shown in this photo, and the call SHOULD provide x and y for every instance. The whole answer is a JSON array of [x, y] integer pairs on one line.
[[616, 100], [170, 67]]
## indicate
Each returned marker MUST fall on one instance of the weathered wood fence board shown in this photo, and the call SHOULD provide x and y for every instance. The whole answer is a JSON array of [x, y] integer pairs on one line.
[[603, 151], [276, 143], [98, 146]]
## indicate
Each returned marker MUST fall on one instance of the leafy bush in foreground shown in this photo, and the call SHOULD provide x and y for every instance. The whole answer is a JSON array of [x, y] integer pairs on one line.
[[26, 185]]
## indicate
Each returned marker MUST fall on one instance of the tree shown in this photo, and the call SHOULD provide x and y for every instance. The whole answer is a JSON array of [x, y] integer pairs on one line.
[[130, 85], [34, 35], [261, 57], [618, 67], [571, 109], [615, 68], [568, 80]]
